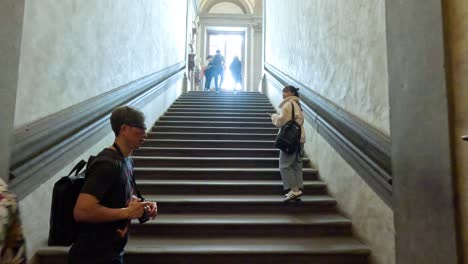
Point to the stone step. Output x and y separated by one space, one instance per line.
243 225
222 107
230 98
222 93
215 123
223 187
205 152
224 101
204 129
216 114
234 110
231 250
240 204
223 104
210 136
208 162
259 174
189 143
264 118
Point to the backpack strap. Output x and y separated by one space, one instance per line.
78 167
298 153
293 116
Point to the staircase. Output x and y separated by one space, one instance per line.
211 165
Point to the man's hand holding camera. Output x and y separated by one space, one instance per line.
137 208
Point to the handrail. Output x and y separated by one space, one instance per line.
43 147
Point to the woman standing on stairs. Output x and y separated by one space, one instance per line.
291 164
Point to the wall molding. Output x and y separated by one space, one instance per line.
364 148
42 148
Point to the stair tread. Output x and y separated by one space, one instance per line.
205 127
216 169
205 158
214 122
246 219
204 133
234 198
210 140
252 245
222 182
211 149
275 245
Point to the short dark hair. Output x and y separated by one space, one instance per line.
218 51
126 115
292 89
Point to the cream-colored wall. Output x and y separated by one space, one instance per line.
73 50
456 27
338 48
36 206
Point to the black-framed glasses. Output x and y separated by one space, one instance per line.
137 126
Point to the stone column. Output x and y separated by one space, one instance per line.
422 164
257 54
11 19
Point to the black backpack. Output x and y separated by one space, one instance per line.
289 136
217 60
63 228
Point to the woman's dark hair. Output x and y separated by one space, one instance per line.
291 89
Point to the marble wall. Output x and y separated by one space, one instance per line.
73 50
338 49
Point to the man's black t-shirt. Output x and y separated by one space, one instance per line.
111 184
109 179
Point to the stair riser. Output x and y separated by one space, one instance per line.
267 258
217 258
207 153
252 103
222 107
244 207
216 175
238 230
195 144
223 189
215 114
212 137
264 118
142 163
225 100
195 129
223 94
224 110
215 124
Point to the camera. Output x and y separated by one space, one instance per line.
145 217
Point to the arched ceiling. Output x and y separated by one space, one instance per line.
247 6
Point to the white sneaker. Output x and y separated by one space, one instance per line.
292 195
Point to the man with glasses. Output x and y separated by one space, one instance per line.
107 202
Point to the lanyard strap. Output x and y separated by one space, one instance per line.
118 149
132 177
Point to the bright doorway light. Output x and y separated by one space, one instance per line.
230 44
